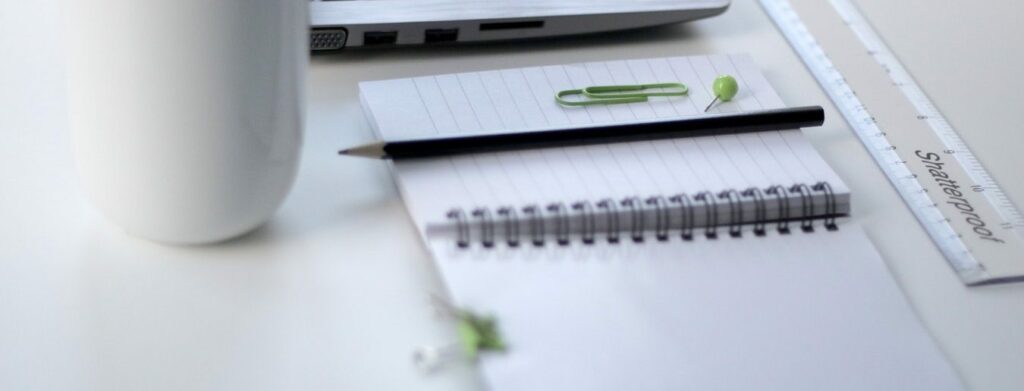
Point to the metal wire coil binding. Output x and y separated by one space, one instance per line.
662 217
831 209
760 209
806 206
609 218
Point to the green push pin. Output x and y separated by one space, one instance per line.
725 88
479 334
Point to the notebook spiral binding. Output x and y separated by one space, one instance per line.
532 219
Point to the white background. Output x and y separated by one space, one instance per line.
333 294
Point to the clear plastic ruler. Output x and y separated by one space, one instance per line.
964 210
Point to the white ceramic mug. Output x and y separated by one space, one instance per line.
187 115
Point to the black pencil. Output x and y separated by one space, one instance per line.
757 121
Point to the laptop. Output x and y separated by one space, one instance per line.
339 24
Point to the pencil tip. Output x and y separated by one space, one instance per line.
375 150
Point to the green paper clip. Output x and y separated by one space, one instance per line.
605 95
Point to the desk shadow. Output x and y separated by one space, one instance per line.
281 234
147 306
281 230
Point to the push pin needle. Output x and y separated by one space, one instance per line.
725 88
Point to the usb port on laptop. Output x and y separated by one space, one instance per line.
373 38
440 35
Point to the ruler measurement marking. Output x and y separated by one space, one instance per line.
925 107
929 212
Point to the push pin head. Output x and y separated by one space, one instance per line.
477 334
725 88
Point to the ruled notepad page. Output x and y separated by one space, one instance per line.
799 311
804 311
515 99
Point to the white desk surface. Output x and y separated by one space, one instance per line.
333 293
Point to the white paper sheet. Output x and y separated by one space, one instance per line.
784 312
804 311
514 99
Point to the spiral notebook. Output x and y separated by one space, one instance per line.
704 263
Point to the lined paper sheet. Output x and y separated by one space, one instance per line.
518 99
783 312
780 312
